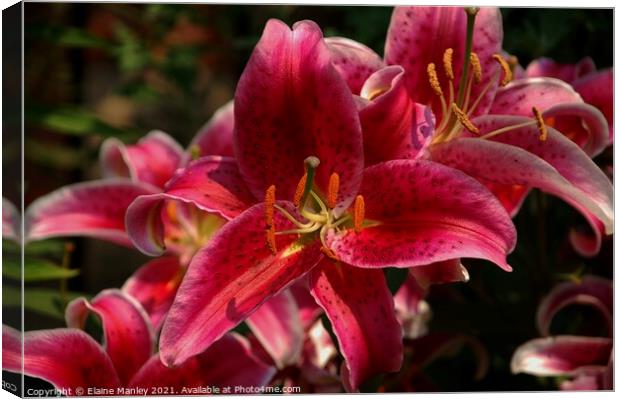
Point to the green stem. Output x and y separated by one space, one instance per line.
471 18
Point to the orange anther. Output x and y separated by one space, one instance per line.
505 67
462 117
271 239
433 79
299 191
270 201
476 67
447 63
358 213
540 123
332 190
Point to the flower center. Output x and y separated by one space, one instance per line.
457 108
316 211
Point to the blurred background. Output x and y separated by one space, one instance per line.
94 71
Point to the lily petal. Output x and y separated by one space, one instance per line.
11 221
354 61
448 271
277 325
127 331
361 310
418 36
591 290
213 184
152 160
394 126
230 278
228 362
280 120
581 383
216 136
546 67
597 89
422 212
412 310
67 358
560 355
309 310
92 209
587 242
154 285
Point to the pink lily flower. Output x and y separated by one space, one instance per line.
588 361
346 223
71 360
483 124
11 221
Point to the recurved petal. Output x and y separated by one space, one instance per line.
448 271
127 332
216 136
11 221
291 103
412 310
228 362
587 241
92 209
591 290
597 89
154 285
277 325
354 61
230 278
418 36
560 355
546 67
361 311
582 382
152 160
394 127
421 212
65 357
213 184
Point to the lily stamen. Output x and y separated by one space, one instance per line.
507 129
540 123
271 239
447 63
270 201
299 191
463 119
332 190
505 67
433 80
358 213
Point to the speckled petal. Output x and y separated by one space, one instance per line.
228 279
92 209
291 103
154 285
152 160
65 357
427 213
212 183
354 61
127 332
227 363
546 67
361 311
597 89
418 36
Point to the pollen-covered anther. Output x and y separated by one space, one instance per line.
271 239
447 63
540 123
433 79
476 67
463 119
358 213
505 68
299 191
270 201
332 190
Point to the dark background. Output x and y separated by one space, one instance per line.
100 70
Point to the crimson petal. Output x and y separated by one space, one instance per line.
353 60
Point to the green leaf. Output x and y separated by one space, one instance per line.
69 37
35 270
53 247
43 301
73 121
